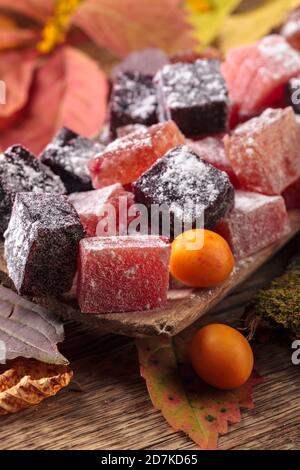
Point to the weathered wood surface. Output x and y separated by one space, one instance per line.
113 410
184 306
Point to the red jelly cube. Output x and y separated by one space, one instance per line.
292 195
122 274
255 222
125 159
256 74
92 208
212 150
264 152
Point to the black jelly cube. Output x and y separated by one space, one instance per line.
194 95
67 155
133 101
292 92
20 171
41 244
187 186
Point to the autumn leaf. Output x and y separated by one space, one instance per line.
16 70
127 25
12 38
29 331
68 89
187 403
207 22
26 382
239 29
37 9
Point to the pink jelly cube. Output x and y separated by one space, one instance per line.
96 206
264 152
122 274
256 74
255 222
212 150
125 159
292 195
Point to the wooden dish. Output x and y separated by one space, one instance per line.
184 306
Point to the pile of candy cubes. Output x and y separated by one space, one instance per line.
76 211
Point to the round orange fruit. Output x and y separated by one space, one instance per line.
201 258
221 356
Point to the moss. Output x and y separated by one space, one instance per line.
280 302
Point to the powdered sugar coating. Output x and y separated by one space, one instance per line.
67 155
264 151
133 101
125 159
186 184
121 274
256 74
41 244
211 149
194 95
255 222
21 171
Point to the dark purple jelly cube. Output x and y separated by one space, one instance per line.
133 101
67 155
146 61
292 91
186 186
20 171
41 244
194 95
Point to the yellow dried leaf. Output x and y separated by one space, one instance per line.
250 26
207 23
26 382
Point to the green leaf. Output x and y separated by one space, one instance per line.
207 24
239 29
187 403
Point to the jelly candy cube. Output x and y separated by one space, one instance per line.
264 151
122 274
194 95
20 171
255 222
256 74
125 159
41 244
188 186
133 101
67 156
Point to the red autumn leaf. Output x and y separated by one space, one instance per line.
37 9
126 25
187 403
10 38
68 89
16 71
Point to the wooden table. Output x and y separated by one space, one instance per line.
108 407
